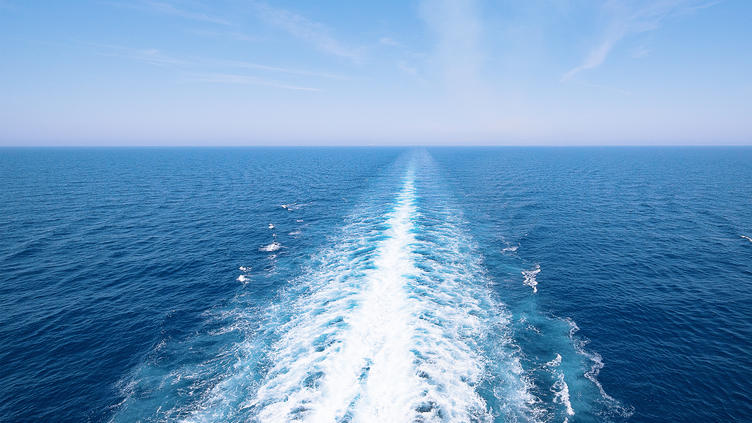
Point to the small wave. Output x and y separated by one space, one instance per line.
510 249
242 278
746 237
294 233
293 206
271 226
529 326
555 362
274 246
530 277
244 268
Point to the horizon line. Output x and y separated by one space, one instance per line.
375 145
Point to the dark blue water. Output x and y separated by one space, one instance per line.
536 284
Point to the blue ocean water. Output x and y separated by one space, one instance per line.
376 284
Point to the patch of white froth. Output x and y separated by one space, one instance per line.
746 237
293 206
530 276
510 249
383 344
612 403
561 393
274 246
555 362
560 388
381 334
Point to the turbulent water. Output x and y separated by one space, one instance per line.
376 285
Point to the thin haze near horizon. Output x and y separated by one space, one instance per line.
246 72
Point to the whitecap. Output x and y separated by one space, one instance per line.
510 249
530 277
244 268
293 206
271 226
274 246
746 237
242 278
555 362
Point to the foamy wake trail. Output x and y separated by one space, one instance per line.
389 331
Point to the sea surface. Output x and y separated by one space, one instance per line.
376 284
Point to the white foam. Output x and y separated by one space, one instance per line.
746 237
295 233
529 276
274 246
244 268
242 278
376 343
592 374
271 226
388 342
388 327
510 249
555 362
560 387
293 206
561 393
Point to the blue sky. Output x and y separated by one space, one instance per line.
237 72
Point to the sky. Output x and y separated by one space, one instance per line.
435 72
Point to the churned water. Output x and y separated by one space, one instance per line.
376 284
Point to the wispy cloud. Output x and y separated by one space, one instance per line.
457 26
388 41
312 32
150 56
166 8
604 87
640 52
224 78
230 35
407 61
407 68
155 56
276 69
627 17
202 69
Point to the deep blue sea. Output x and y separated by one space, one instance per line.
376 284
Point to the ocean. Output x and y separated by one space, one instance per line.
376 284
